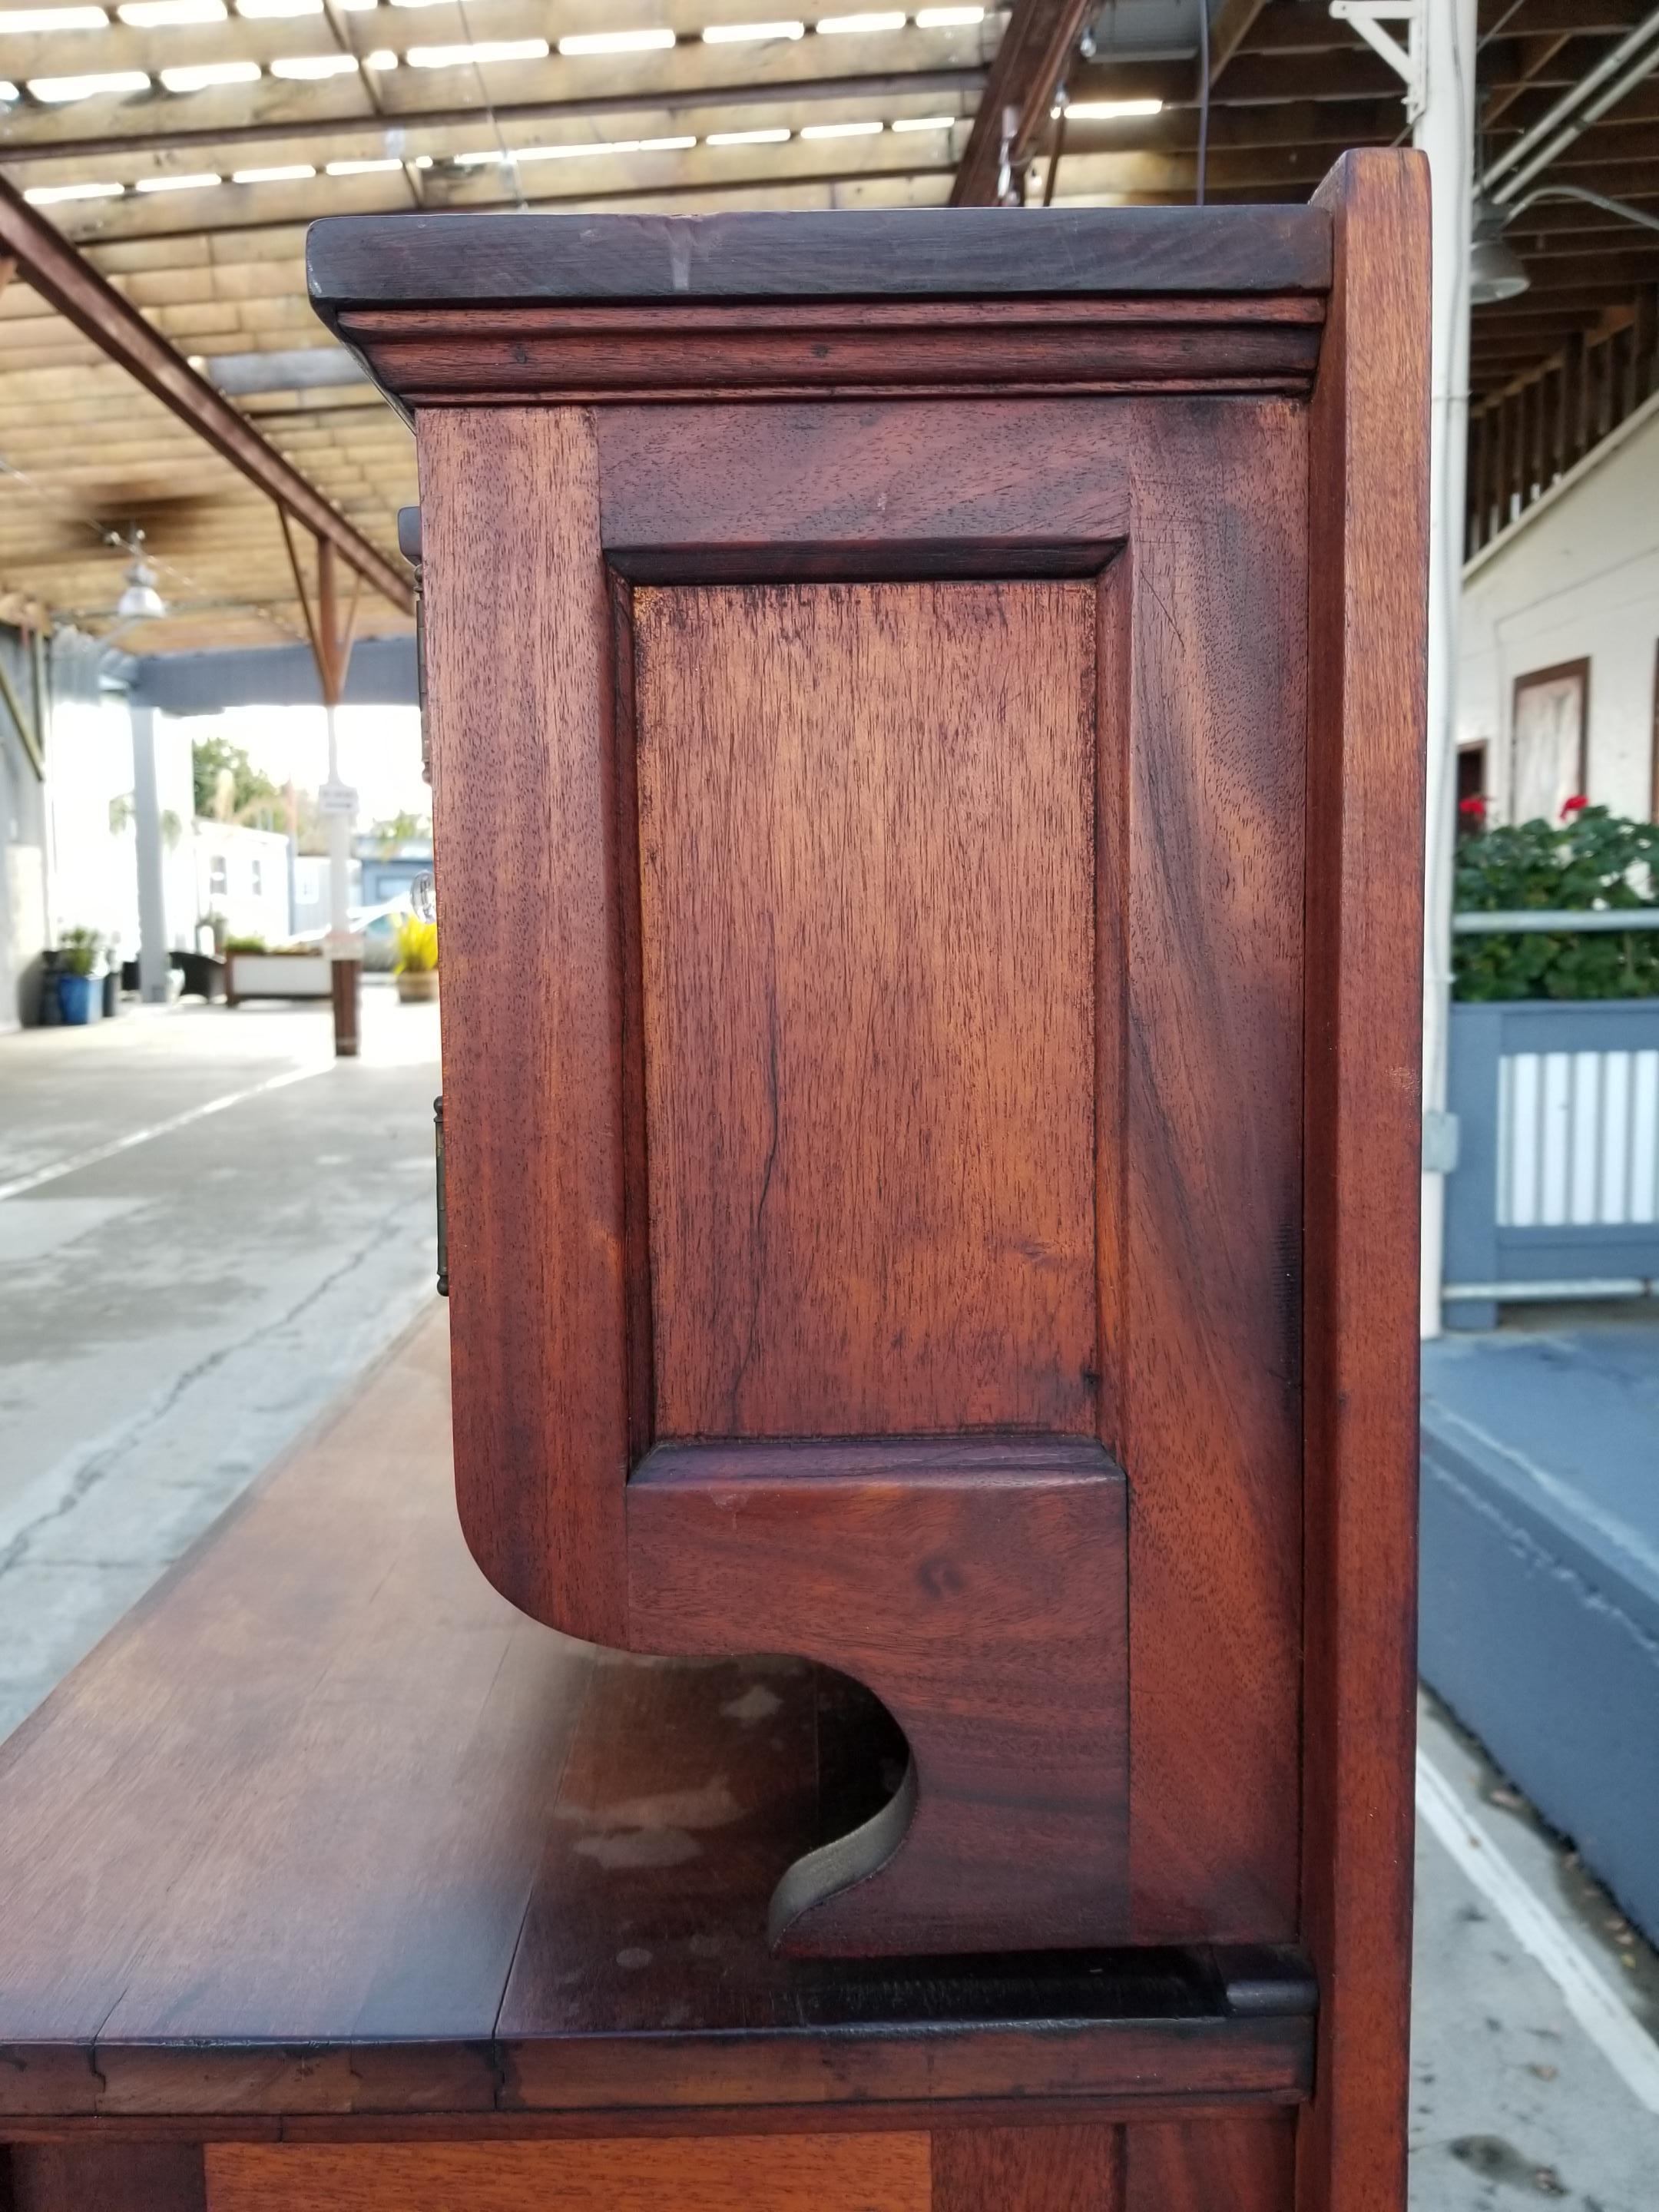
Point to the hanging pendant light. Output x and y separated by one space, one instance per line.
140 601
1496 269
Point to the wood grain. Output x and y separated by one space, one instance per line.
1244 2165
366 1852
1209 1411
764 495
670 355
1050 2169
759 2174
1369 429
519 692
979 1590
357 261
866 843
106 2178
322 1731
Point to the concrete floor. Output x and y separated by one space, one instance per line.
172 1312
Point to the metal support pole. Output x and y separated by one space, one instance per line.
333 649
147 827
1444 130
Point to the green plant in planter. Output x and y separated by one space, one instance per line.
78 951
243 944
1590 860
417 943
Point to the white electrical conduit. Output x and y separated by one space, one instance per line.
1545 193
1634 57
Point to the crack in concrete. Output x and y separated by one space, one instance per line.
106 1458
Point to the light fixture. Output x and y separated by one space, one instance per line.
775 137
481 50
158 15
140 601
1496 269
616 42
314 65
734 34
196 181
1108 111
56 90
33 21
49 195
197 76
881 19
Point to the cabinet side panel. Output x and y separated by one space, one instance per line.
867 847
524 806
1210 1424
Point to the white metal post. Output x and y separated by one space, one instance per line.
1445 128
153 961
339 859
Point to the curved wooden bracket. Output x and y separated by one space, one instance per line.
978 1587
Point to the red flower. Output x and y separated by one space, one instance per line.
1474 808
1575 805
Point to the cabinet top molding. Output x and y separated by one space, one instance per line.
387 261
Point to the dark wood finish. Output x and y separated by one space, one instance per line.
799 491
1168 760
345 996
427 260
1055 2169
1212 903
979 1590
432 1863
853 801
1221 2166
1365 752
473 356
518 710
108 2177
767 2173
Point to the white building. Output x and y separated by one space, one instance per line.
1560 644
241 876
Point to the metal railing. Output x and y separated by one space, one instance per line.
1556 1190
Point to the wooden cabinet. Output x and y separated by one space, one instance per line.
926 721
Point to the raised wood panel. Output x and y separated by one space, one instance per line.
758 2173
1208 1356
765 494
865 835
1211 2165
524 806
1031 2169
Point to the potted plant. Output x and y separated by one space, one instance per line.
416 964
78 1002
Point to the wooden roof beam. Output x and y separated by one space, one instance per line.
52 266
1014 109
